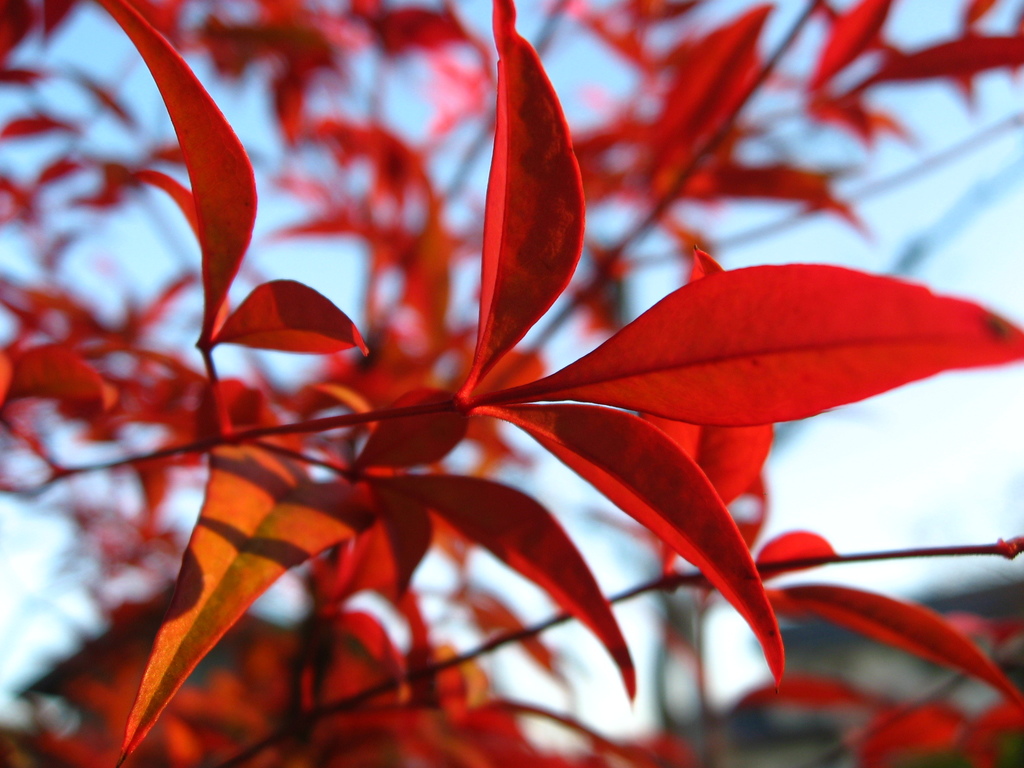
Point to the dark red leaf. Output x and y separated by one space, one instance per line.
291 317
650 478
58 372
913 628
417 439
956 59
773 343
533 228
526 537
33 126
260 517
220 172
901 737
808 691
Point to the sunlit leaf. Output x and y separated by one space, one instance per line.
526 537
773 343
913 628
650 478
289 316
220 172
533 229
260 517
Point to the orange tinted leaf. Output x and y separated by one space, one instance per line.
260 517
526 537
289 316
913 628
58 372
976 10
415 440
533 228
650 478
220 172
794 545
178 192
773 343
851 35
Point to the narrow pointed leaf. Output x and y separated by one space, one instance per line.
851 35
178 192
913 628
533 227
291 317
218 168
956 59
774 343
417 439
260 517
526 537
650 478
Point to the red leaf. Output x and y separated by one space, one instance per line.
58 372
260 517
955 59
650 478
181 195
291 317
794 545
807 691
731 457
913 628
526 537
851 35
700 99
773 343
33 126
898 737
533 228
703 265
6 372
417 439
220 172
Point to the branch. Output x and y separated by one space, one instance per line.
248 435
1008 549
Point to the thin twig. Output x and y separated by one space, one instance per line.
1008 549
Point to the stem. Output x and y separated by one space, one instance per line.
882 185
606 264
1008 549
247 435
